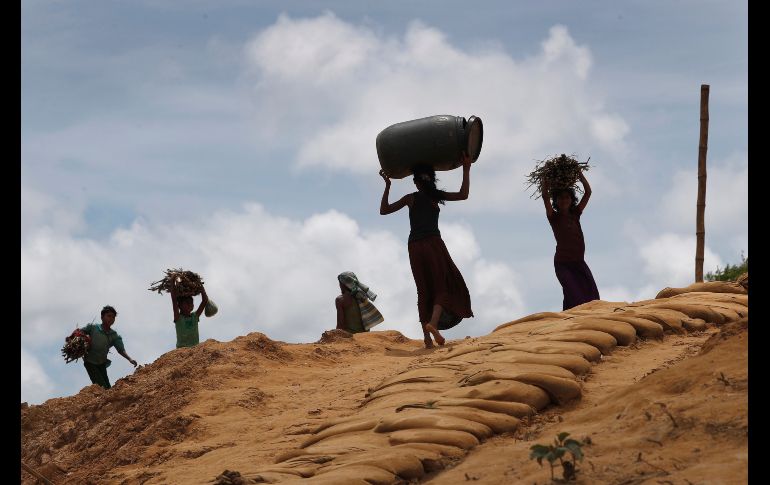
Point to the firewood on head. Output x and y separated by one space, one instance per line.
184 283
559 172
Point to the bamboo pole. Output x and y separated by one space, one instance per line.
700 230
35 474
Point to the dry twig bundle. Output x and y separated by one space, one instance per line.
184 283
560 172
76 346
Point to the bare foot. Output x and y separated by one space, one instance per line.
428 343
439 339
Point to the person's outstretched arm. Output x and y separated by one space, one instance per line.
387 208
124 354
462 194
204 301
546 194
586 193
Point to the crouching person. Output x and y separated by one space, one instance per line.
355 311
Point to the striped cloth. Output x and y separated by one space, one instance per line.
370 316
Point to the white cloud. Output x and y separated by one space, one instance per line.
329 87
36 386
266 273
560 48
727 197
669 260
319 51
41 210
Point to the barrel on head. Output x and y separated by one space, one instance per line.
436 140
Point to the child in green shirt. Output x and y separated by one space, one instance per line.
102 338
185 321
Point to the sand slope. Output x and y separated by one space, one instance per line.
378 408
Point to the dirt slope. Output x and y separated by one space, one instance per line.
621 374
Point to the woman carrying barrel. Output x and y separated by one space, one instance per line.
442 296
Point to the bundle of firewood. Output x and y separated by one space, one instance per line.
561 172
76 346
180 282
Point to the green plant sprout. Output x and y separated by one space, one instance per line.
560 447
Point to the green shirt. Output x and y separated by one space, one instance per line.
187 330
101 342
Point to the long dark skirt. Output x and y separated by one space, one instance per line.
577 283
438 282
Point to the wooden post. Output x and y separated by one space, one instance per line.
35 474
700 230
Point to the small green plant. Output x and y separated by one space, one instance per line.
560 447
731 272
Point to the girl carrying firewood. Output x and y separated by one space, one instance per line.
563 211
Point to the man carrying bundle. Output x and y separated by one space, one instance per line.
102 338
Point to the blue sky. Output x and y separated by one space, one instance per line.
236 139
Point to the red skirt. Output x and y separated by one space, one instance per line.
438 282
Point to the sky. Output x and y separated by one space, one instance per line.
237 139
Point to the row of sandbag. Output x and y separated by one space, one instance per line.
416 422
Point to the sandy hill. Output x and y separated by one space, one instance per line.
657 389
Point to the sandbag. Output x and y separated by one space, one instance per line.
576 364
720 297
348 427
589 352
734 307
353 442
643 327
559 389
486 376
694 311
605 342
624 333
407 388
515 409
459 439
511 391
401 462
467 349
515 368
431 451
709 286
433 421
497 422
418 375
666 318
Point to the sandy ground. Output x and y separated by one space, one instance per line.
659 414
654 412
254 399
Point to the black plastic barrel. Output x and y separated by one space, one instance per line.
436 140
